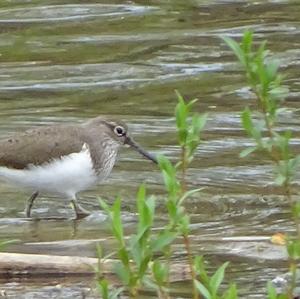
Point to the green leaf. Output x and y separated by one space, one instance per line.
184 224
143 267
296 209
146 209
200 269
169 175
191 103
160 272
293 249
198 122
247 41
231 292
247 151
272 69
103 287
5 243
235 47
188 194
271 291
162 240
123 273
253 130
202 290
181 114
106 293
135 248
115 293
116 221
217 279
280 179
172 209
104 206
247 121
123 256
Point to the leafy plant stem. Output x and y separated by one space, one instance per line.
183 169
184 165
287 187
292 285
292 261
276 159
191 265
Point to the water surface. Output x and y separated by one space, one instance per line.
67 61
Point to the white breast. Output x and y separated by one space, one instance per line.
66 176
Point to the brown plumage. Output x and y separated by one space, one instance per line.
40 145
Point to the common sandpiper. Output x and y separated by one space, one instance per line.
64 159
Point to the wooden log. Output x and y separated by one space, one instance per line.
20 265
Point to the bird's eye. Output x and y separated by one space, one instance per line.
120 131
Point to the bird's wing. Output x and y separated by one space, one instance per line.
40 146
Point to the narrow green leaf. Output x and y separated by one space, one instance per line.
184 224
296 209
5 243
199 121
247 41
271 291
145 209
115 293
272 69
247 121
202 290
123 256
116 220
169 175
231 292
217 278
144 265
191 103
235 47
160 272
162 240
103 288
200 269
136 252
122 273
247 151
188 194
104 205
280 179
181 113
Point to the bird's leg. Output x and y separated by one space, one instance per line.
30 203
79 210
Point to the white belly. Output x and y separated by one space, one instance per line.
65 176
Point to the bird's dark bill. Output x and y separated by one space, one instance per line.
135 146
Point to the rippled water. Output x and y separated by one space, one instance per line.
66 61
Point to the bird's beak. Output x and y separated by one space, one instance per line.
129 141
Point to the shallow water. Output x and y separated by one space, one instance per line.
67 61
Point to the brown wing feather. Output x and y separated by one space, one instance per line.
40 145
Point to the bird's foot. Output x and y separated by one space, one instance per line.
27 212
29 204
79 210
81 214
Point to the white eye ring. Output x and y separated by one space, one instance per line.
119 131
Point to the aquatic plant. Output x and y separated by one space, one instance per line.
137 265
261 125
